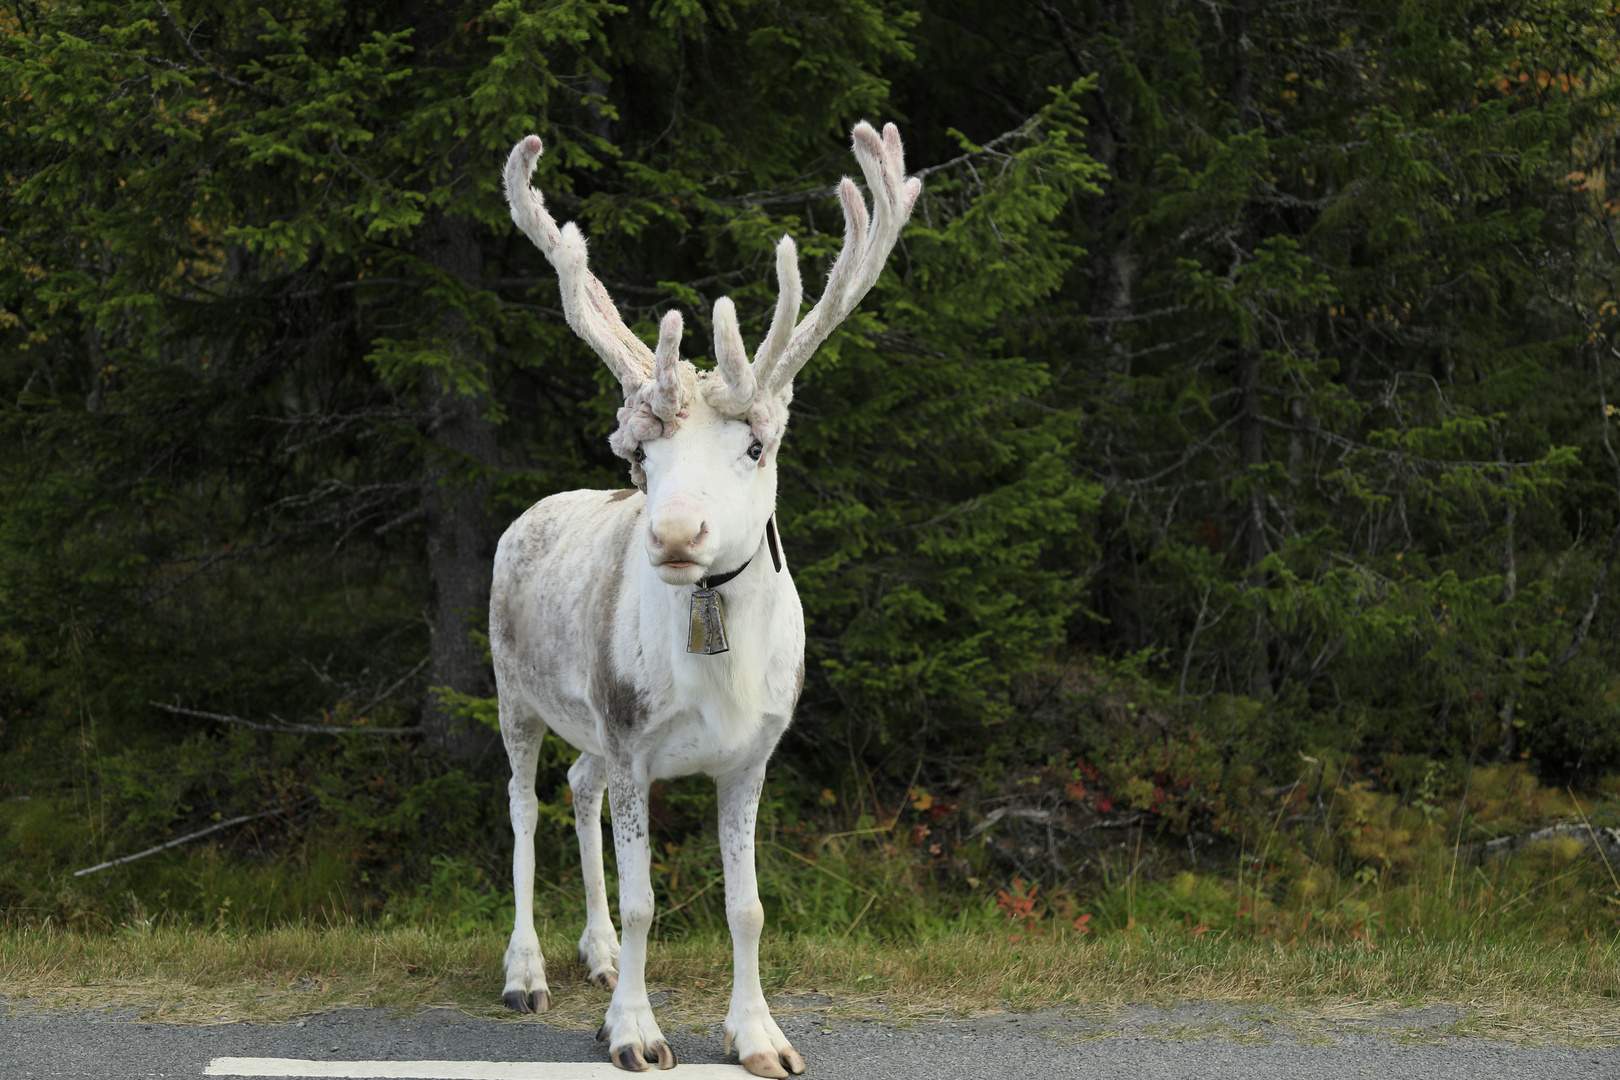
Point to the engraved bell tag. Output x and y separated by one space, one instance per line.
708 633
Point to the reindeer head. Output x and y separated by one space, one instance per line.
702 444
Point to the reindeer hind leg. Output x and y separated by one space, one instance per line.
598 945
526 990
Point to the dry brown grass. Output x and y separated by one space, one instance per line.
1513 990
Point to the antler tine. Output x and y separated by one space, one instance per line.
789 294
666 398
883 161
586 303
831 308
732 359
856 270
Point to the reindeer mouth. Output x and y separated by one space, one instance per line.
680 571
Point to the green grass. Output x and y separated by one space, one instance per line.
1525 989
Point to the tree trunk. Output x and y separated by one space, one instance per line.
1251 446
1113 275
1251 442
1509 744
461 534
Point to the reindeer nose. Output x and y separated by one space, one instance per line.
677 534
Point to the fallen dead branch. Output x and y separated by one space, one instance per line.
1600 841
186 839
284 728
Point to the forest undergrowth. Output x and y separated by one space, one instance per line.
1355 887
1102 812
1060 884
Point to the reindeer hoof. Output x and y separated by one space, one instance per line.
535 1001
766 1065
607 980
761 1047
629 1058
634 1041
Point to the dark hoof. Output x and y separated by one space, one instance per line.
630 1059
535 1001
666 1055
765 1065
602 1033
607 980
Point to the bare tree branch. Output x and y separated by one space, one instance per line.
294 729
231 79
186 839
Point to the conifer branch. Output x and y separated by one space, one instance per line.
1607 565
230 79
777 197
1579 310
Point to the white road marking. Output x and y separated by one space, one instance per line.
447 1070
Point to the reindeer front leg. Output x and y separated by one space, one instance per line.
761 1046
631 1032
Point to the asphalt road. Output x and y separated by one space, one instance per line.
1195 1041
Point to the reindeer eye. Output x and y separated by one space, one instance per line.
640 455
757 449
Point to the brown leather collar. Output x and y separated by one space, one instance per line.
776 557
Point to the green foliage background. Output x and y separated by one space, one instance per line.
1237 396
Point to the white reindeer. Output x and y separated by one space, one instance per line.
606 617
